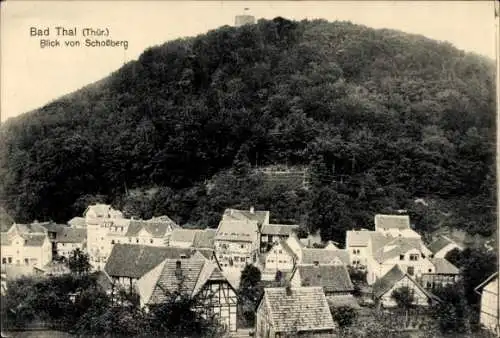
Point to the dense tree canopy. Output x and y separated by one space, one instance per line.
379 117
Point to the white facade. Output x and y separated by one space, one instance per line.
411 262
19 250
65 249
420 298
279 259
489 305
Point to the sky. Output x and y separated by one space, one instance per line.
32 76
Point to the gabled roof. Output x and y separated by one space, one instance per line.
439 244
51 226
205 239
333 278
358 237
243 215
71 235
396 247
34 239
486 282
245 231
387 282
77 222
443 266
190 278
184 235
156 229
278 229
28 228
303 309
322 256
392 222
283 244
378 241
132 260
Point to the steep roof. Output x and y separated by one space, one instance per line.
396 247
71 235
343 300
190 278
245 231
304 309
322 256
51 226
387 282
157 229
34 239
358 237
443 266
439 244
205 239
392 222
77 222
184 235
243 215
278 229
131 260
333 278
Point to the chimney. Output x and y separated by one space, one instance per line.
288 289
252 210
178 270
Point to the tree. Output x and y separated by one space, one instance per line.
451 312
345 316
404 298
250 292
78 262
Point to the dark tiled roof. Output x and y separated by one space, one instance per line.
303 309
184 235
358 237
439 244
206 253
392 222
205 239
343 300
333 278
278 229
34 239
131 260
444 267
52 227
384 284
71 235
322 256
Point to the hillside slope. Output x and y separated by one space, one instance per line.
379 116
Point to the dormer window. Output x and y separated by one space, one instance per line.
316 263
413 257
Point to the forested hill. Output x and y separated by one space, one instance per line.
380 117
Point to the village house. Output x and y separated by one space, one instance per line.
237 238
333 278
323 256
442 245
395 226
357 242
409 253
107 227
204 243
444 273
273 233
196 277
394 279
287 310
488 290
129 262
69 239
280 258
183 238
312 240
27 245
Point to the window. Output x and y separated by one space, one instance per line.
26 261
411 270
4 260
151 241
413 257
401 257
10 260
242 246
137 240
280 251
430 270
